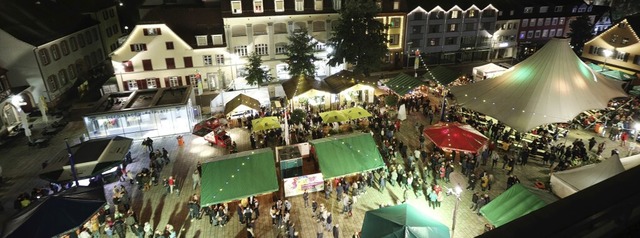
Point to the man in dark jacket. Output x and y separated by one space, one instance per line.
336 231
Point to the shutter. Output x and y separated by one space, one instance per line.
144 47
626 57
167 82
125 86
158 83
188 62
186 79
159 31
133 49
142 83
179 80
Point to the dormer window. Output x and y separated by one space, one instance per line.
528 10
317 5
279 5
257 6
201 40
337 4
544 9
299 5
236 7
557 9
217 40
151 31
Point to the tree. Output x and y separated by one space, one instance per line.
300 53
359 38
298 116
580 32
391 100
256 75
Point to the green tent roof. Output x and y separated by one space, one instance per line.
402 221
517 201
239 175
347 154
618 75
239 100
403 84
441 74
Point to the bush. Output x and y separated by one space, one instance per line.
391 100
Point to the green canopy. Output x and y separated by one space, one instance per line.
402 221
517 201
236 176
618 75
403 84
595 67
347 154
442 75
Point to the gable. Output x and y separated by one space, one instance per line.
154 37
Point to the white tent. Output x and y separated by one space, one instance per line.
568 182
553 85
487 71
630 162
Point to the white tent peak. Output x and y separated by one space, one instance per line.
565 183
553 85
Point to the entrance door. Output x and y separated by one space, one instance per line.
213 81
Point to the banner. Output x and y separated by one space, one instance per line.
296 185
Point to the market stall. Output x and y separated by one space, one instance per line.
402 220
517 201
347 154
213 131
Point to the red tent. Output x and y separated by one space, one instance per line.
456 136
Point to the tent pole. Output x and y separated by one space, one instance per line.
72 163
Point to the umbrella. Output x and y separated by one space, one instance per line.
208 125
265 123
355 113
333 116
456 136
402 221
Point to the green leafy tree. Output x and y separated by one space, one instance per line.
359 38
300 53
580 32
391 100
298 116
256 75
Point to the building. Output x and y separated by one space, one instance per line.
106 14
449 31
53 57
539 21
9 113
618 46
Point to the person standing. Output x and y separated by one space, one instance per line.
319 229
172 183
196 179
305 196
336 231
150 144
592 143
165 156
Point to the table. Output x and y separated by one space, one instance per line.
50 131
41 142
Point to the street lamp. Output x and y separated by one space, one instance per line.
606 53
457 191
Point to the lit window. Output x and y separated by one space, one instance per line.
337 4
240 50
138 47
281 49
173 81
55 52
151 83
299 5
452 27
62 75
207 60
64 47
454 14
201 40
317 5
545 33
471 13
528 9
394 39
217 40
44 56
396 5
262 49
395 22
220 59
257 6
559 33
561 21
532 22
279 5
236 7
53 83
132 85
151 31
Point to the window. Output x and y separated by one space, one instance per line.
94 34
280 28
486 26
127 66
379 3
259 29
544 9
537 34
582 9
62 75
515 25
522 34
299 25
434 28
532 22
279 5
554 21
188 62
417 16
337 4
65 47
146 65
545 33
525 22
433 41
281 49
318 26
416 29
238 30
394 39
511 12
451 40
509 26
81 42
111 13
151 83
240 50
236 7
55 52
396 5
636 60
257 6
169 45
220 59
436 15
171 63
559 33
115 28
528 10
105 15
138 47
202 40
622 56
109 32
470 26
471 13
317 5
557 9
88 38
561 21
455 14
395 22
299 5
151 31
44 56
452 27
540 21
193 80
547 21
552 33
132 85
625 40
207 60
71 69
173 82
53 83
261 49
217 40
529 34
